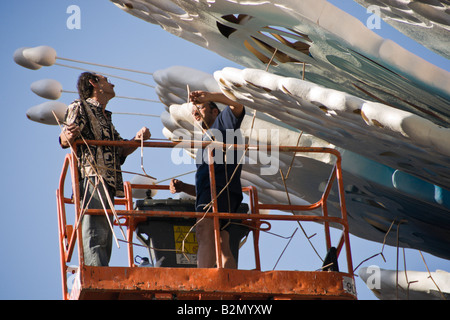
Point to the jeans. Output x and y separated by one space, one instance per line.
95 229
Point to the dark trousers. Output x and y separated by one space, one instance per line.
223 204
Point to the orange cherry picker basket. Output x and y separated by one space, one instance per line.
133 282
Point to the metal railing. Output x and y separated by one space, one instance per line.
69 235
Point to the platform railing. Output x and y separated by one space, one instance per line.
69 235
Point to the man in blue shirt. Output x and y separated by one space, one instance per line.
215 125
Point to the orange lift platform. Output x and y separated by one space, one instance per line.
133 282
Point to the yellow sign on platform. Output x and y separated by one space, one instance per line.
185 244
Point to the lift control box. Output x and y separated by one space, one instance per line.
172 241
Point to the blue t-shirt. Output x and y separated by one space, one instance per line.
225 163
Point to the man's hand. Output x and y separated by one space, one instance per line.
199 97
72 131
179 186
69 135
176 186
143 134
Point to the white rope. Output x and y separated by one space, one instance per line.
137 114
106 74
121 97
105 66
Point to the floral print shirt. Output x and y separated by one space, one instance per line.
97 125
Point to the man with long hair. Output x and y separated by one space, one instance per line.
99 166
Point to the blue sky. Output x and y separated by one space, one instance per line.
32 159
